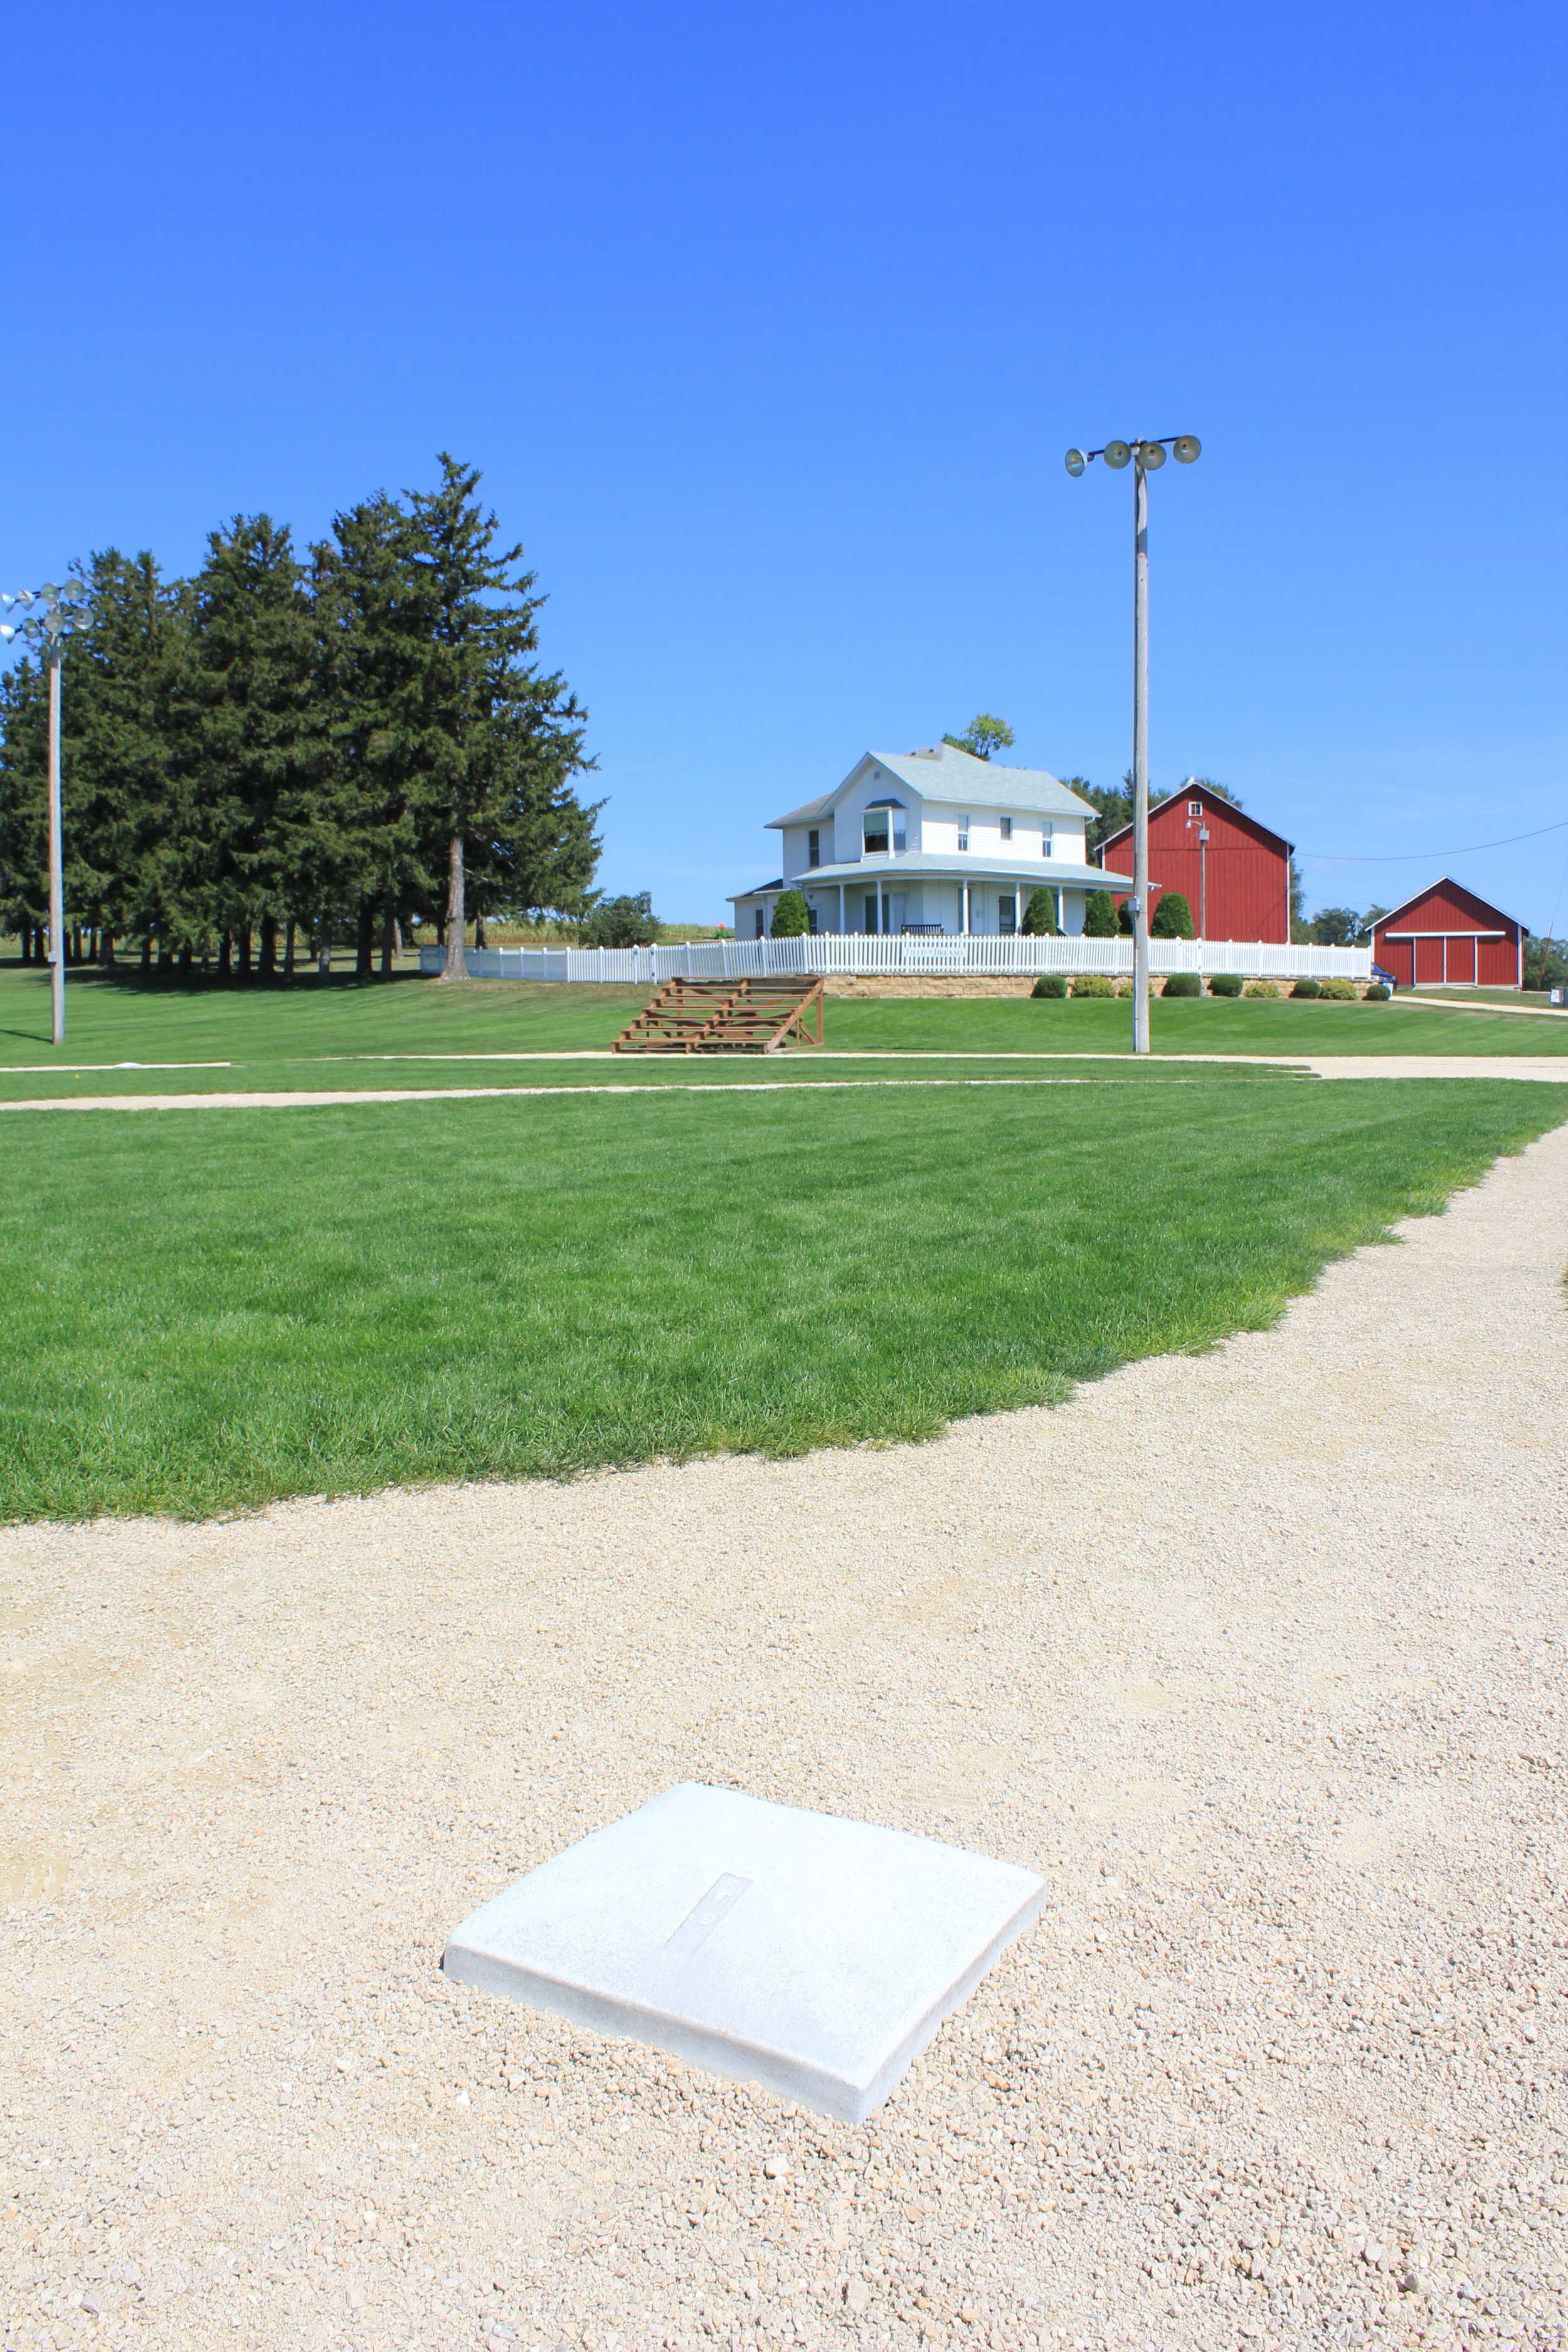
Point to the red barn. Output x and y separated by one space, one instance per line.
1447 933
1233 871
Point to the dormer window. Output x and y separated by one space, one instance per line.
884 829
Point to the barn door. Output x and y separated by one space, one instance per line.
1462 958
1428 963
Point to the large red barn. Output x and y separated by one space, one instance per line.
1446 934
1233 871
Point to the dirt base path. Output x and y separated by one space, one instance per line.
1259 1657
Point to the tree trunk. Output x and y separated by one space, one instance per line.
267 962
388 938
289 951
324 950
481 932
245 952
164 954
147 952
226 956
365 940
105 951
185 961
455 968
27 943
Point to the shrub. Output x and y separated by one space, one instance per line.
791 915
1341 991
1260 988
1099 916
1307 988
1184 983
1050 983
1171 918
1124 988
1040 915
1093 983
1226 983
625 922
1376 994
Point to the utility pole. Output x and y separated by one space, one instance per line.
1146 456
64 614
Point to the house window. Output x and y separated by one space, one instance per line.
814 847
761 932
1194 808
1007 828
1048 846
871 917
811 920
1006 916
875 832
963 833
901 839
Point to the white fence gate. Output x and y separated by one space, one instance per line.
954 955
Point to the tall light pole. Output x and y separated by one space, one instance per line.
61 615
1145 458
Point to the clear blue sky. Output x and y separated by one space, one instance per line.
769 327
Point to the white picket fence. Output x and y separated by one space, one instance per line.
954 955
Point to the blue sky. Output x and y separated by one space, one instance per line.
769 327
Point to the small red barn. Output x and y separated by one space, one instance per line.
1446 934
1233 871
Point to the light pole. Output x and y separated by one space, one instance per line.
1145 457
62 615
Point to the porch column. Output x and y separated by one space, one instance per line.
964 889
881 912
841 911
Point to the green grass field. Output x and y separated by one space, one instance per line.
206 1312
311 1036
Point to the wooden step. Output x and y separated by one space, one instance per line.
726 1016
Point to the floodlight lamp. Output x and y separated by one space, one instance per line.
1074 463
52 590
1186 447
1117 454
1151 454
7 630
23 596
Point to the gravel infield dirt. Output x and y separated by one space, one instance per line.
1259 1657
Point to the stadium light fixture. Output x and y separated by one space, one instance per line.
1146 456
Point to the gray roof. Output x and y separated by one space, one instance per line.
929 866
945 773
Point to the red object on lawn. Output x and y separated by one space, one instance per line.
1445 936
1237 882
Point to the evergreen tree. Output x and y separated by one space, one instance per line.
1040 915
24 799
1098 915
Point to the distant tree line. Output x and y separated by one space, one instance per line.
351 743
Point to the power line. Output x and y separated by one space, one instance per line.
1426 856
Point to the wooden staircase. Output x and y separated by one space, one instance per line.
726 1016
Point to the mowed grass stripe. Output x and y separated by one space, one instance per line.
199 1317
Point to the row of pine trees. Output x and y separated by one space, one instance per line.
346 744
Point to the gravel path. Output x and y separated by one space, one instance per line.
1550 1067
1259 1657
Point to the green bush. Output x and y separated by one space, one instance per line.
1341 991
1171 918
791 915
624 922
1226 983
1099 916
1040 915
1093 983
1184 983
1050 983
1307 988
1260 988
1376 994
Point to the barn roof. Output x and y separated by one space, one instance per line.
1445 882
1218 802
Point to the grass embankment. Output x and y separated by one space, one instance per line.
207 1312
335 1035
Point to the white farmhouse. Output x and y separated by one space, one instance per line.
926 842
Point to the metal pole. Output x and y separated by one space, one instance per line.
1141 757
57 874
